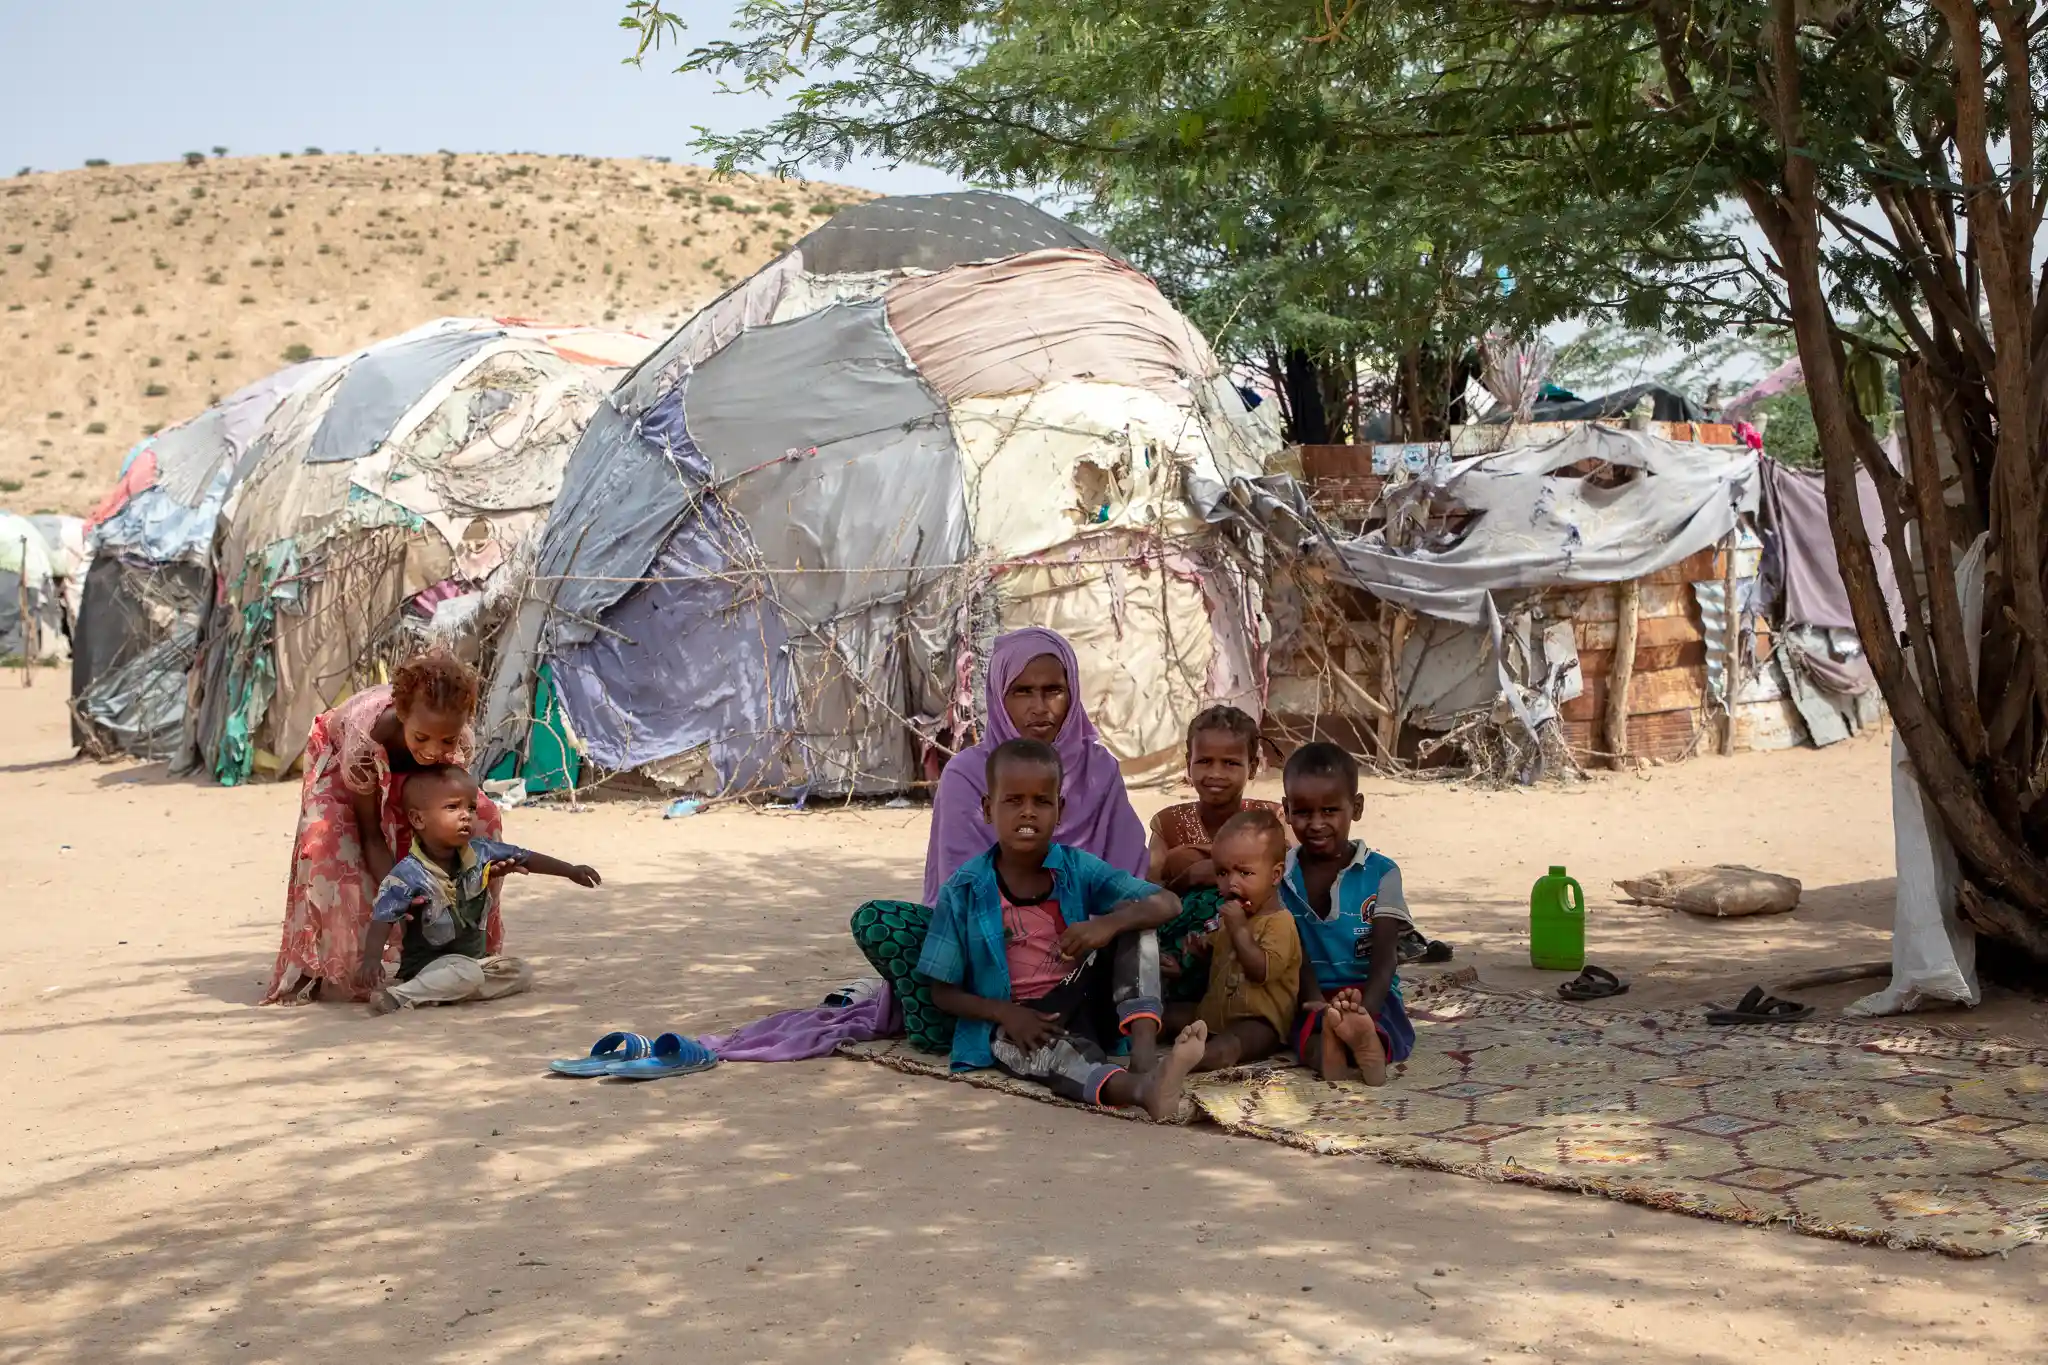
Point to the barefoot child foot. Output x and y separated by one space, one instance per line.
1357 1036
1160 1092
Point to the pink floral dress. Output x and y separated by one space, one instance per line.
328 902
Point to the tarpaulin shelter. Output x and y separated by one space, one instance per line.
784 544
31 622
149 572
391 494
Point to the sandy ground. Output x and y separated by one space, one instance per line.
134 296
184 1176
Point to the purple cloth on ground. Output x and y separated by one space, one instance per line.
1097 817
796 1034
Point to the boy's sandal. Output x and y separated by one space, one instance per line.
613 1047
1759 1008
1594 983
673 1055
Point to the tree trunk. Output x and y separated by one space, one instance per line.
1308 421
1995 854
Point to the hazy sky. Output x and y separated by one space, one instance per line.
133 81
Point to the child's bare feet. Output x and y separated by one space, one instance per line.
1162 1089
1357 1037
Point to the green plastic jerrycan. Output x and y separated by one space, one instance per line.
1557 923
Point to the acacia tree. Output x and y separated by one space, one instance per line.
1298 195
1887 152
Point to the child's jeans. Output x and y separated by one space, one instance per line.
452 978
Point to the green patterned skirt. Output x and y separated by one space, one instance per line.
891 935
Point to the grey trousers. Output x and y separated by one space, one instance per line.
1106 993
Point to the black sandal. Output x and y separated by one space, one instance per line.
1758 1008
1594 983
1416 948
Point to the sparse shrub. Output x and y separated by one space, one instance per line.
93 163
220 151
63 348
156 362
76 474
199 191
720 201
12 485
95 428
224 354
783 207
139 310
324 249
246 299
153 428
824 208
276 211
297 353
53 416
214 277
195 158
155 391
362 305
314 151
191 356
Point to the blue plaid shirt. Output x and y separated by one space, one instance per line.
965 945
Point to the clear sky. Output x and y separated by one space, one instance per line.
136 80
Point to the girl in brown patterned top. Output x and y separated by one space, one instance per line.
1223 755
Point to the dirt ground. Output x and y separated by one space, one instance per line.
136 295
184 1176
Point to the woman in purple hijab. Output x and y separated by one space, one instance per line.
1034 693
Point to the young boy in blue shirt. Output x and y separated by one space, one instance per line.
1045 953
1348 905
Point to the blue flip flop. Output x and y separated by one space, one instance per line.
674 1055
613 1047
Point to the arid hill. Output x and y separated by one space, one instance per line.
133 296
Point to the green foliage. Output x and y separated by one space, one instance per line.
1345 199
1790 436
297 353
95 162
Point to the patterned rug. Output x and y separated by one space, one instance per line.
1868 1132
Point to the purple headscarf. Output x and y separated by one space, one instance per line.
1095 816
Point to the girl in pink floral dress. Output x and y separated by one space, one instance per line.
352 825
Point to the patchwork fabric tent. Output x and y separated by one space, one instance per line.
390 494
786 541
31 622
149 572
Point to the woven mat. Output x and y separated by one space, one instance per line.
1868 1132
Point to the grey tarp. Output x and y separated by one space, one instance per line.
688 660
935 232
128 610
628 483
139 707
1534 528
382 385
625 488
190 455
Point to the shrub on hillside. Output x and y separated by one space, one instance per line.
297 353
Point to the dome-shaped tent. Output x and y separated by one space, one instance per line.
392 493
784 544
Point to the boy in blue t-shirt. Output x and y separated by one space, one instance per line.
1347 905
1046 954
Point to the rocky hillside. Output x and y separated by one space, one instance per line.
132 296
